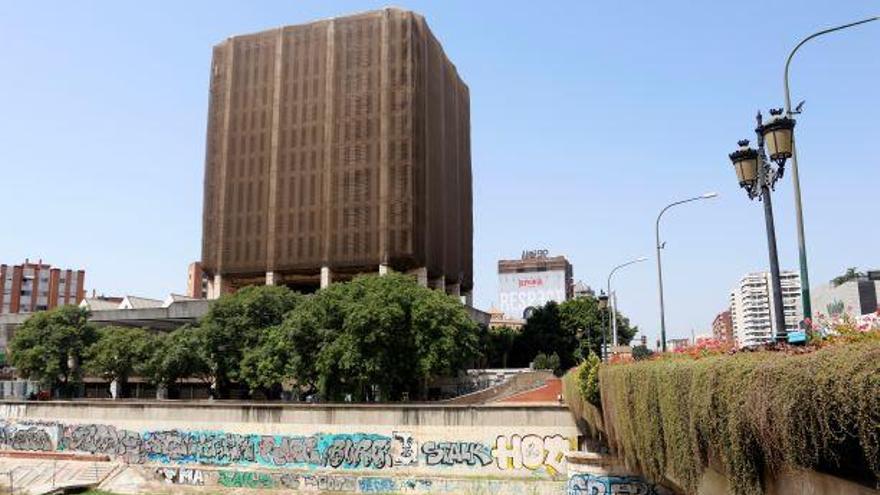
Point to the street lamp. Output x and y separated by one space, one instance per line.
758 177
659 267
795 178
603 305
614 303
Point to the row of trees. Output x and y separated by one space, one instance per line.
373 337
560 335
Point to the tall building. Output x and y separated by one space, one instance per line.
855 297
196 281
722 327
336 148
32 287
752 310
532 281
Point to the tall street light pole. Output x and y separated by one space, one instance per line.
614 303
795 178
758 177
659 266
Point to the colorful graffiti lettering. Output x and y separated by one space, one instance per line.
181 476
588 484
32 438
531 452
453 453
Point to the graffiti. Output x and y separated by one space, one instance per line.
244 479
407 453
353 452
531 452
290 450
377 485
588 484
102 439
181 476
329 483
26 438
453 453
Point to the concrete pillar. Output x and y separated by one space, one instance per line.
453 289
421 275
215 287
384 269
468 298
438 283
270 278
326 276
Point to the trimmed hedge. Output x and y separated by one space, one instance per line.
746 414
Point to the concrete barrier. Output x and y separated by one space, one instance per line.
428 448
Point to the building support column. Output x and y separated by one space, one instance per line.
215 287
468 298
326 277
384 269
270 278
421 275
438 283
453 289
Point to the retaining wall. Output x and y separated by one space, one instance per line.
361 448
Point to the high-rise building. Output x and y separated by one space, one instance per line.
32 287
336 148
752 310
722 327
196 281
855 297
532 281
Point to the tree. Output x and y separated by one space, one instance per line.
852 273
175 356
588 380
118 353
374 337
238 322
545 362
572 330
544 333
499 345
49 346
641 352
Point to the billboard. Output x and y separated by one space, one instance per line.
519 291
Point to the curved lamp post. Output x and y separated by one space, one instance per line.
614 304
659 266
758 177
795 179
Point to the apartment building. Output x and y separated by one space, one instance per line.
31 287
752 308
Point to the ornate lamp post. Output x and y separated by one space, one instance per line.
758 176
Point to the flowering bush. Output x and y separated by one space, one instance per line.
847 328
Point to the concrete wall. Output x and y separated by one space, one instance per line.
349 442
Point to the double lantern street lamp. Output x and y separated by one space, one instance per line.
758 176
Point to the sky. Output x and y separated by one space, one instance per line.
587 117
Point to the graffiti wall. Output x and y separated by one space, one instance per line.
531 454
593 484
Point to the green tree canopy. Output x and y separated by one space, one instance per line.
237 322
49 347
119 353
373 334
177 355
572 330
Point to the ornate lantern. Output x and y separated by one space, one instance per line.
745 162
778 136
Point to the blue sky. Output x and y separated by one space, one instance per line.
587 118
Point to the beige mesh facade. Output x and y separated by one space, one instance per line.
341 145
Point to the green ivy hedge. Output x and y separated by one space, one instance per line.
747 414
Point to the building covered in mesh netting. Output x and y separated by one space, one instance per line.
336 148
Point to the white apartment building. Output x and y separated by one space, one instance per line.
751 307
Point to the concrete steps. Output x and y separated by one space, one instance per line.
36 476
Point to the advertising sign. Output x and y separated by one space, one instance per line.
520 291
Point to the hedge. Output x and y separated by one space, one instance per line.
747 414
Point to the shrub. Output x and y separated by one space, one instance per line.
747 412
588 380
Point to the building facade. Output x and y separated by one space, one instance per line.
337 148
196 281
722 327
752 310
853 298
532 281
31 287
